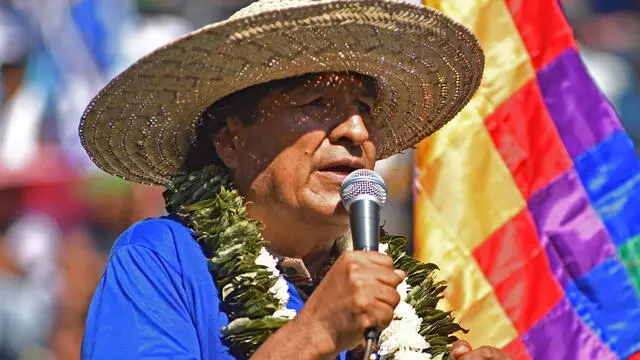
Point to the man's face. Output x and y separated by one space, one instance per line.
291 162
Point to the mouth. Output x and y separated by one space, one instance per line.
338 171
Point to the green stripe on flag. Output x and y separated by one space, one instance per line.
630 255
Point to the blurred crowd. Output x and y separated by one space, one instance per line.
59 215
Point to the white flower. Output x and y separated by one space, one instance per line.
411 355
265 259
383 248
280 289
402 335
285 313
403 289
406 317
403 339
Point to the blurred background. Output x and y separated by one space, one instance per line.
59 216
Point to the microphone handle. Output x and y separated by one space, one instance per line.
364 216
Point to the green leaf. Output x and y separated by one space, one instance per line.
437 326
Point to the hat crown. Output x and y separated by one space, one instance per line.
262 6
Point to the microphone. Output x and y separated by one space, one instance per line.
363 193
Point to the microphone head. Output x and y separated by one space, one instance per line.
363 183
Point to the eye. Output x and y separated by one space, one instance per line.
363 107
318 102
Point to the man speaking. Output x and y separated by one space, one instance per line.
253 124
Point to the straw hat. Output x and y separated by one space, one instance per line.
142 124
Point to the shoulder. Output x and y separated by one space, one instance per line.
165 236
156 298
154 233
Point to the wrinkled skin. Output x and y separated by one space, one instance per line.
283 163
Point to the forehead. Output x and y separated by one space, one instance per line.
345 81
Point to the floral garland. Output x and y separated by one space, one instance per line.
254 294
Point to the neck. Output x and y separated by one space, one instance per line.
312 244
315 260
307 242
294 234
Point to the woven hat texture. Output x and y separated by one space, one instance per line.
427 67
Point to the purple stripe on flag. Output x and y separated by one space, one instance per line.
555 262
571 232
582 115
562 335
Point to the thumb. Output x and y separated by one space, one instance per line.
459 349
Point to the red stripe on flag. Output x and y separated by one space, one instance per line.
517 350
543 28
635 356
527 140
516 265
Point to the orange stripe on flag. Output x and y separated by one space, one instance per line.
516 266
469 185
465 191
517 350
459 204
507 62
468 292
543 28
528 141
635 356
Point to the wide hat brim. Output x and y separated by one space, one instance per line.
427 67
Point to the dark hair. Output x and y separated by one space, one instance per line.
243 104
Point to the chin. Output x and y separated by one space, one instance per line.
337 214
329 211
321 203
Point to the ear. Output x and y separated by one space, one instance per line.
226 142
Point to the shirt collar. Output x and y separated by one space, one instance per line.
297 273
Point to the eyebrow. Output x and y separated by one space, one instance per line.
300 94
368 89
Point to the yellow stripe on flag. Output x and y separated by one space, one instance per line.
459 204
465 192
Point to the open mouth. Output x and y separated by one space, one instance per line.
340 169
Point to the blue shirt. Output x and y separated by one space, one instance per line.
157 300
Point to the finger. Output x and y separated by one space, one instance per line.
366 259
381 314
386 276
379 258
388 295
377 314
459 349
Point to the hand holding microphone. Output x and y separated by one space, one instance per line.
363 193
358 295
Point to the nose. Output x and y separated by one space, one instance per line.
352 131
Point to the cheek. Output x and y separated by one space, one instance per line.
284 176
294 164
